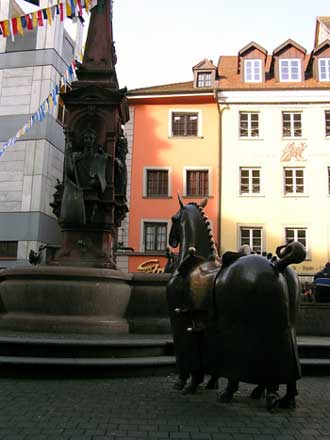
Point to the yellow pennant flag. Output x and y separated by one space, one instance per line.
68 9
49 15
6 30
19 26
50 102
34 19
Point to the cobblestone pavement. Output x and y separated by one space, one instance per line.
148 408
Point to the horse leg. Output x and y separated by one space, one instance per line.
289 400
231 388
197 378
212 383
272 397
258 392
181 381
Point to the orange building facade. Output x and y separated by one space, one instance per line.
173 136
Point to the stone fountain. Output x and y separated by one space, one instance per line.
81 290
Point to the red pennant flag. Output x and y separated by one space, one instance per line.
29 24
61 12
80 7
14 25
40 19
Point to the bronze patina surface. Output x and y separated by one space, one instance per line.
235 319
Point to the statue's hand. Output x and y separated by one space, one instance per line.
94 182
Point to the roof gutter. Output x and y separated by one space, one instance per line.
215 92
168 95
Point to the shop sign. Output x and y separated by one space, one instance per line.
150 266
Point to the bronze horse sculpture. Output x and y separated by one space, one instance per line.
234 318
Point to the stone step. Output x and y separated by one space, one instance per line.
85 347
312 347
121 354
314 362
147 361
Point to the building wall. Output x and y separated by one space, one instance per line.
154 147
272 209
30 67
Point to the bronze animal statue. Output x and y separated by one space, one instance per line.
188 346
240 315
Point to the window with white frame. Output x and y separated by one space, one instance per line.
252 70
296 234
249 180
197 182
291 124
248 124
184 124
204 79
327 123
154 236
251 236
290 69
293 180
156 182
324 69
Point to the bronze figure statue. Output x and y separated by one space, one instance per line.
245 310
84 170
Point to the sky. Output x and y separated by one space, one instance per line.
159 41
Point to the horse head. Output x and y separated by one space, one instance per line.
192 228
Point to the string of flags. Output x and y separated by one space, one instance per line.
46 107
63 8
13 26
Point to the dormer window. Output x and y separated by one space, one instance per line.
324 69
204 79
204 74
290 69
252 70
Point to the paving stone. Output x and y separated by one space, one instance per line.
148 408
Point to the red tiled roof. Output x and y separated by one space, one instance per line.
229 78
183 87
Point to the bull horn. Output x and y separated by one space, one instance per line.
180 201
203 203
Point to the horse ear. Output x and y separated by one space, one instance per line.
203 203
180 201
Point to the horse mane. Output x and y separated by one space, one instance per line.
213 249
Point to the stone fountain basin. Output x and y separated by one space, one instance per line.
64 299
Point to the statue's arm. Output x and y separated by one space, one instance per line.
69 162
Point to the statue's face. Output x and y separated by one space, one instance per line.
89 139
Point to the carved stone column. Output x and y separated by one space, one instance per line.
90 203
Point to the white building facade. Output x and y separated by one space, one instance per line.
275 144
